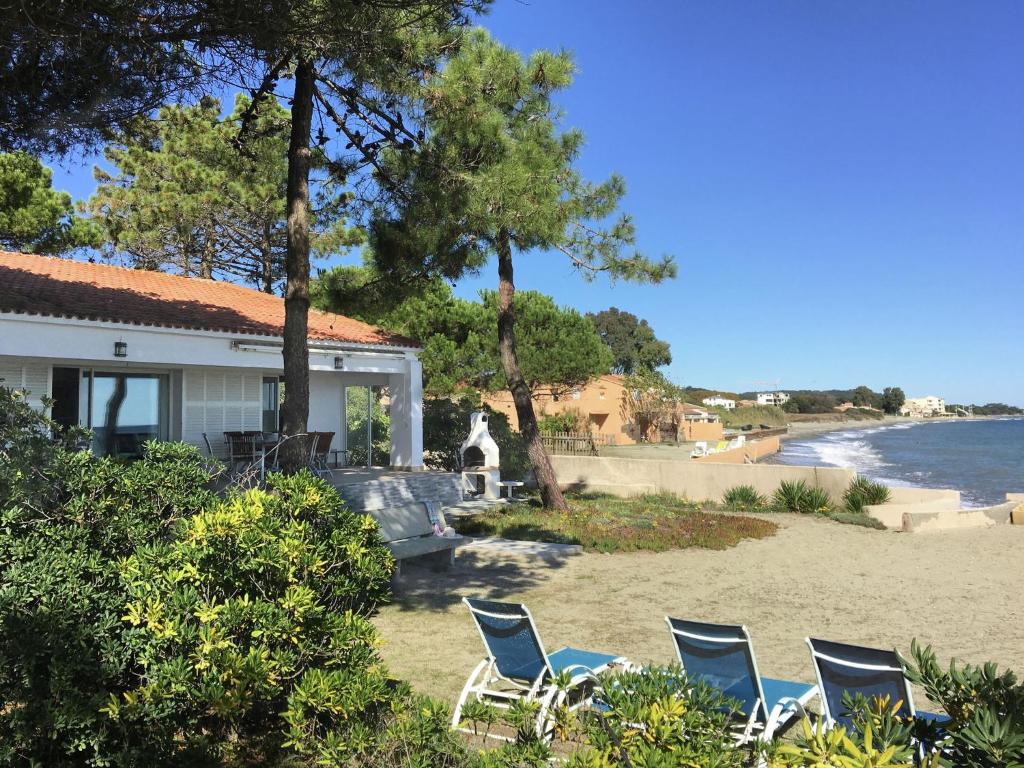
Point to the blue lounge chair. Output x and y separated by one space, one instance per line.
722 657
853 669
516 666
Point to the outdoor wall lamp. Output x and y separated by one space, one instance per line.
120 349
339 363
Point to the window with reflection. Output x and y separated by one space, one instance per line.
124 410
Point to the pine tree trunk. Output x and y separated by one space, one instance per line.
295 409
267 259
550 493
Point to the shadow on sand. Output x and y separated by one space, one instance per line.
420 588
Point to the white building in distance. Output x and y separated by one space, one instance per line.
924 406
719 402
772 398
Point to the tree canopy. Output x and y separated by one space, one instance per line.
185 199
631 340
560 349
34 217
893 399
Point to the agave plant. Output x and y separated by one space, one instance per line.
815 501
744 498
863 492
789 495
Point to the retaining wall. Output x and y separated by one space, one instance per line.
695 480
1017 515
755 451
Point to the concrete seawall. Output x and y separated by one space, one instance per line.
697 480
908 509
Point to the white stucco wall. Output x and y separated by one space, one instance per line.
216 377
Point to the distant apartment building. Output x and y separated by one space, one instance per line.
719 402
924 406
772 398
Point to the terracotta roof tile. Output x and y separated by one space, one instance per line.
43 285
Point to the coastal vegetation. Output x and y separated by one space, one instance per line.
744 498
863 492
801 498
989 409
603 523
768 415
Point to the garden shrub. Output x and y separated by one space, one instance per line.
744 498
656 717
863 492
569 420
252 629
986 707
66 518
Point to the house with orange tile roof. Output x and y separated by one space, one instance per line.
135 355
600 404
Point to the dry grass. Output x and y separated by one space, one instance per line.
600 523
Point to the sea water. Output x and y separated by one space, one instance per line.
983 459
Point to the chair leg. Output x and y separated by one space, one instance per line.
466 690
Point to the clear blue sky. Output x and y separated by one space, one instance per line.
842 184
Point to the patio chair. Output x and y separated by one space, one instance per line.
516 666
722 657
244 450
853 669
319 449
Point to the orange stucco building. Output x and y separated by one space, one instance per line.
601 403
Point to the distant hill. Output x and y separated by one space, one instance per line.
696 394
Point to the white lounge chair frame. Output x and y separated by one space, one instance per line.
782 711
487 684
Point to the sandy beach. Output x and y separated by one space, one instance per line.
958 590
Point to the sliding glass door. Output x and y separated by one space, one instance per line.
124 410
367 427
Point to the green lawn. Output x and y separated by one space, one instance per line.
604 523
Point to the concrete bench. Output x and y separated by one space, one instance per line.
408 532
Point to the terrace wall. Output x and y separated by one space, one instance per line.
691 479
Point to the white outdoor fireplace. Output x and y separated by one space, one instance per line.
480 460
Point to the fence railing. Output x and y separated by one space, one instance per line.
575 443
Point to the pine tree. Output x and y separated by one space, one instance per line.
34 217
184 199
496 177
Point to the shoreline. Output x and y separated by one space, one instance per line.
807 429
